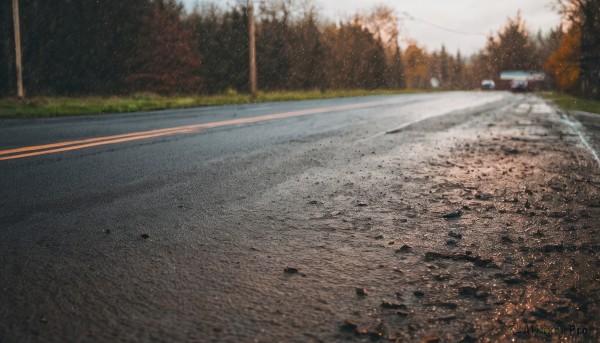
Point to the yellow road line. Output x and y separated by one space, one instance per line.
81 141
134 136
89 145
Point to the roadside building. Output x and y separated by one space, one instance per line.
533 80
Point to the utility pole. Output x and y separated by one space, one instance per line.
252 48
18 57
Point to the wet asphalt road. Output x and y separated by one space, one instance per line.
74 264
69 182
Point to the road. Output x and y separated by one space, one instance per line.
179 225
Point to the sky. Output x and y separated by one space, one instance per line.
474 18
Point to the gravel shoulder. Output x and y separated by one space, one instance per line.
473 227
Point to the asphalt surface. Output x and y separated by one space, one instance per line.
70 181
187 237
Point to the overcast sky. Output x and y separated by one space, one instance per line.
476 17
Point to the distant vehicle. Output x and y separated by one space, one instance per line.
488 85
519 86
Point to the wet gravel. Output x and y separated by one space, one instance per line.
493 229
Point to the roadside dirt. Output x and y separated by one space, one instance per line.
504 239
489 234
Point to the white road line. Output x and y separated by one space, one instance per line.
576 126
483 108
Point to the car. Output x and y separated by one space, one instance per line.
488 85
519 86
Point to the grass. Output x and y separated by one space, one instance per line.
571 103
37 107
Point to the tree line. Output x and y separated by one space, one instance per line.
575 63
99 47
120 47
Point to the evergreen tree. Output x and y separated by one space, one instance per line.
7 72
511 49
444 75
166 60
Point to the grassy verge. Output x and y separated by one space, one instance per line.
64 106
571 103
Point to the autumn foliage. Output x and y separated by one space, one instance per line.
564 64
123 47
577 59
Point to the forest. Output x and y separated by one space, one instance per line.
115 47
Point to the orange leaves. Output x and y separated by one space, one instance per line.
416 61
564 63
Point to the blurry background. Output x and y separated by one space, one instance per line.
114 47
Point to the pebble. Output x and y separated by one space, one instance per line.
480 294
402 313
391 305
514 281
430 339
442 277
454 234
362 292
468 339
453 215
291 270
349 325
467 291
362 331
404 249
483 196
451 242
506 240
553 248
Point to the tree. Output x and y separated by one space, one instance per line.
356 59
510 49
307 67
273 45
167 61
586 15
564 64
416 61
222 42
396 78
7 73
458 70
73 47
382 23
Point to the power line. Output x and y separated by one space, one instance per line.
413 18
